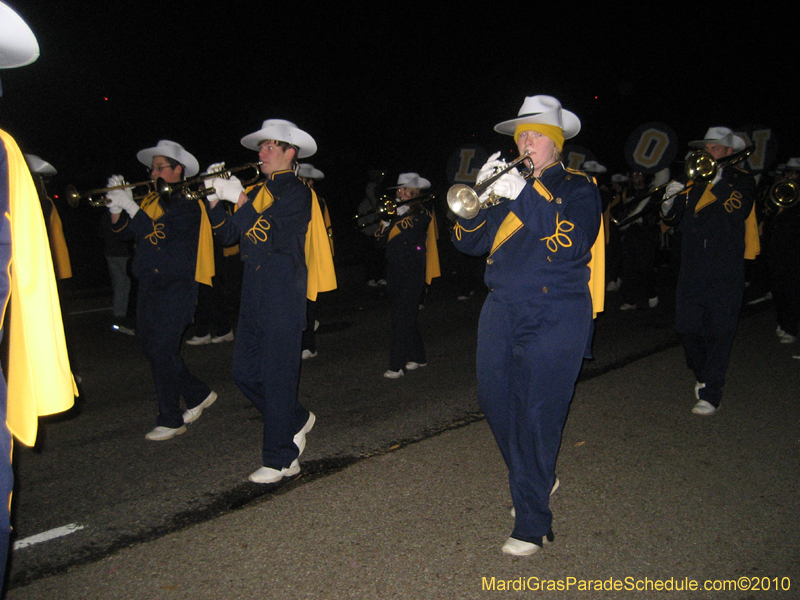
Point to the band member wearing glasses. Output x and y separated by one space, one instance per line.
40 382
278 225
412 260
174 253
536 323
718 230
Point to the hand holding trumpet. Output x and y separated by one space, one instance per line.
120 198
508 185
220 187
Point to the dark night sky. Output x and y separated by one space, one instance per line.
389 86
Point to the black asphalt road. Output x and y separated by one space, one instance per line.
403 494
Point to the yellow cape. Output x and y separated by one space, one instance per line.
204 269
58 244
39 378
319 253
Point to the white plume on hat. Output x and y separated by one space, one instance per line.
282 131
18 45
545 110
722 136
411 180
171 150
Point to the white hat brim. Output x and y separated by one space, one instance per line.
171 150
282 131
18 45
570 123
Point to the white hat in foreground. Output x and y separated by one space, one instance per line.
544 110
282 131
18 45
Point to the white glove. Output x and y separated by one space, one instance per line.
673 189
666 206
215 168
717 177
402 209
226 189
509 185
120 199
489 168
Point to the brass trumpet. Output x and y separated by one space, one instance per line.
464 201
387 208
98 197
164 189
784 193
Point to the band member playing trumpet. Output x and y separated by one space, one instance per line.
536 322
277 224
173 254
412 260
716 221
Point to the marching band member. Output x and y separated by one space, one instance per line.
412 260
717 224
783 248
37 366
281 236
174 253
536 322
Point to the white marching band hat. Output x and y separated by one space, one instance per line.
309 172
39 166
722 136
18 45
592 166
411 180
171 150
282 131
544 110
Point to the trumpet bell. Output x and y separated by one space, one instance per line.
463 201
784 194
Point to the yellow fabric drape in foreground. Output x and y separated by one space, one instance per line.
204 268
319 255
39 378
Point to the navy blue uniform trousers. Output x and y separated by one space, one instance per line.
165 307
529 357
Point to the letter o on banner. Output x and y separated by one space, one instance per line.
651 148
